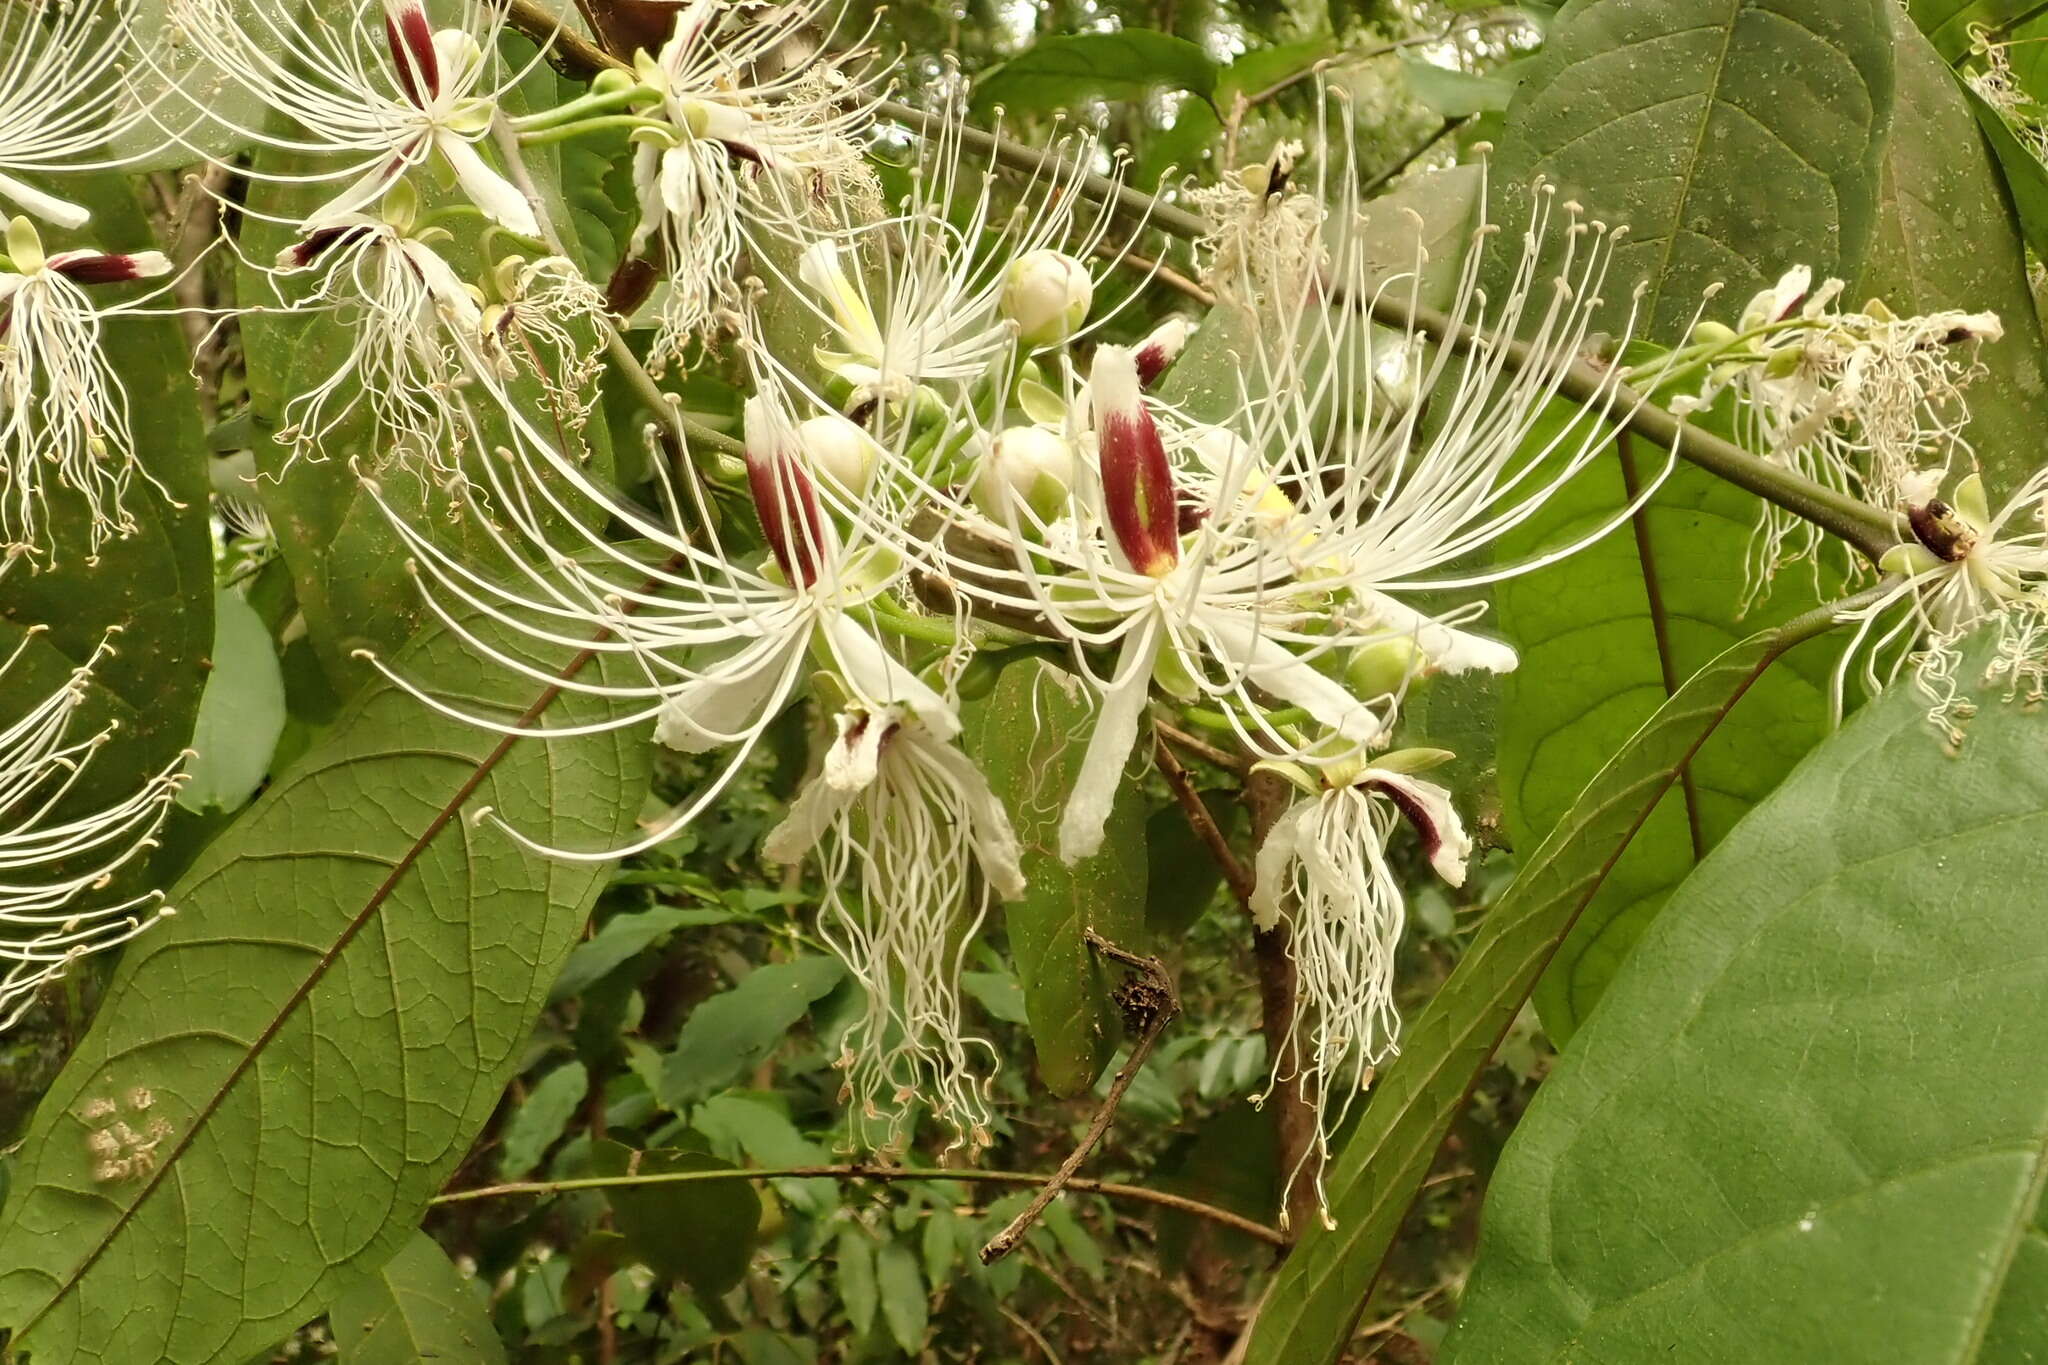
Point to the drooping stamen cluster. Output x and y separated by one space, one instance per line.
902 822
53 858
63 410
735 112
1856 401
382 105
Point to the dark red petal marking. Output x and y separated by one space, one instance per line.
89 267
1152 362
1414 812
781 487
412 52
321 240
1137 491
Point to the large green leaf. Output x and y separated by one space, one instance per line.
1029 736
1735 138
1808 1123
1323 1286
309 1047
1947 23
1945 239
418 1310
1066 72
1605 636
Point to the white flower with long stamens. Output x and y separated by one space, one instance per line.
1240 564
735 112
53 859
1856 401
421 333
376 87
58 97
899 817
1966 568
919 298
63 410
1323 872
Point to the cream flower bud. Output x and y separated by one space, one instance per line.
1047 294
837 449
1025 467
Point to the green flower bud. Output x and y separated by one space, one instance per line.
1047 294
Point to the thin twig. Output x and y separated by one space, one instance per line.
569 52
1379 182
1159 270
1202 822
1200 748
1152 998
1107 1188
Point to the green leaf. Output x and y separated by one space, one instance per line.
1267 64
1735 138
858 1291
1065 72
207 108
322 1028
418 1310
625 937
241 712
701 1232
1605 636
1945 239
1451 93
1807 1123
1029 737
1947 23
1182 875
537 1123
726 1035
1323 1286
901 1289
2026 179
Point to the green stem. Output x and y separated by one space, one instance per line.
586 106
606 124
1113 1190
1998 31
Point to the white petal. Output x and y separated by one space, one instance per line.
1428 807
48 207
1447 648
498 197
855 758
878 679
718 708
989 830
1269 665
1109 748
813 812
1276 856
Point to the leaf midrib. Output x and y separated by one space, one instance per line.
399 870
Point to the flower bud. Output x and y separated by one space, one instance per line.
1025 468
1384 667
784 498
838 450
1047 294
24 246
1161 346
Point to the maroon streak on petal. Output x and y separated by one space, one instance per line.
781 487
1414 812
321 240
411 37
1137 483
90 267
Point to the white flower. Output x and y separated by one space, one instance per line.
729 123
58 104
1047 294
899 817
63 410
376 86
1856 401
917 298
1965 568
1323 872
54 858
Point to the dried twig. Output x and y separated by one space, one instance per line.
1149 1003
1202 822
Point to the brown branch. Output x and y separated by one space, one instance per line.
884 1174
1150 999
1294 1118
569 52
1202 822
1200 748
